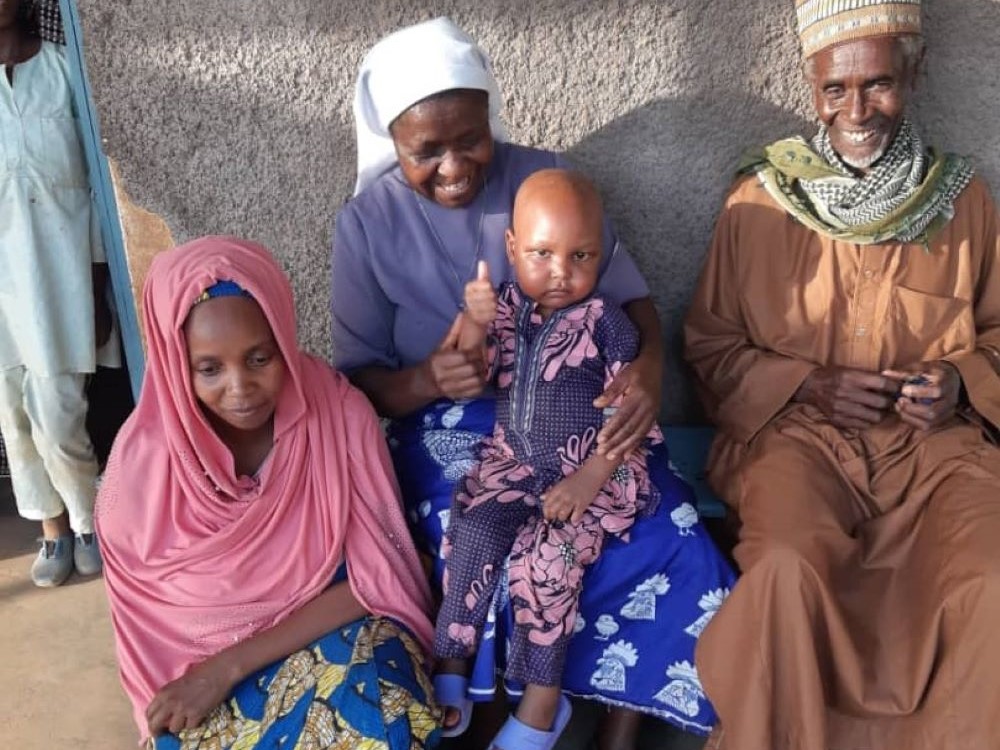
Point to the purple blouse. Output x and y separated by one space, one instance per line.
401 262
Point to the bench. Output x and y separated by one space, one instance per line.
688 448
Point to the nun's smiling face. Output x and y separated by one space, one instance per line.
445 146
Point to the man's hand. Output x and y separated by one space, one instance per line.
849 398
640 385
185 702
929 405
452 373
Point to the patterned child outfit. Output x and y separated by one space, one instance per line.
548 374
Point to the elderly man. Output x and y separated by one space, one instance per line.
846 339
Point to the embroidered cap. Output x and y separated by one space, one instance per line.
823 23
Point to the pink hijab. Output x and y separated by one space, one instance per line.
197 558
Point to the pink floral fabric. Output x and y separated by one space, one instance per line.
572 341
548 373
546 572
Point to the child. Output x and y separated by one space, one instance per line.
540 492
53 313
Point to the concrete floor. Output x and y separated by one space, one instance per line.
58 680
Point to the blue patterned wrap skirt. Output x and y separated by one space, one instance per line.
644 602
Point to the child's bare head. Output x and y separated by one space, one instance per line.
563 192
556 238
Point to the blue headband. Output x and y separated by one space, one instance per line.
223 288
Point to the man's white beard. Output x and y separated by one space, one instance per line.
867 161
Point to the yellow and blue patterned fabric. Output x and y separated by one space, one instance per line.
360 687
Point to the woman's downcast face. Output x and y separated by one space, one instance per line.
237 370
445 145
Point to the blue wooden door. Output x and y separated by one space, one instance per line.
107 207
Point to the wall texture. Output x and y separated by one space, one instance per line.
234 115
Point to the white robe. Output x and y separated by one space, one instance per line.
49 232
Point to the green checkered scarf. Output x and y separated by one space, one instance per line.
906 197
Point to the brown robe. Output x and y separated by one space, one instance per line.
868 614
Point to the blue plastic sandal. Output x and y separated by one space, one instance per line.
450 692
516 735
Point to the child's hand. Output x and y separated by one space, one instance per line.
569 498
480 297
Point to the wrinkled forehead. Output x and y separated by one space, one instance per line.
863 58
475 102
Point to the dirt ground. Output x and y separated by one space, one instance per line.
58 680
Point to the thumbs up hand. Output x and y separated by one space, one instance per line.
480 297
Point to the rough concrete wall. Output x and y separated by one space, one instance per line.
234 115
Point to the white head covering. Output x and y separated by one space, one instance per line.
407 66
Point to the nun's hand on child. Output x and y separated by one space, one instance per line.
635 392
185 702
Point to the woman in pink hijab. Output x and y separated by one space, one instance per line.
263 585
